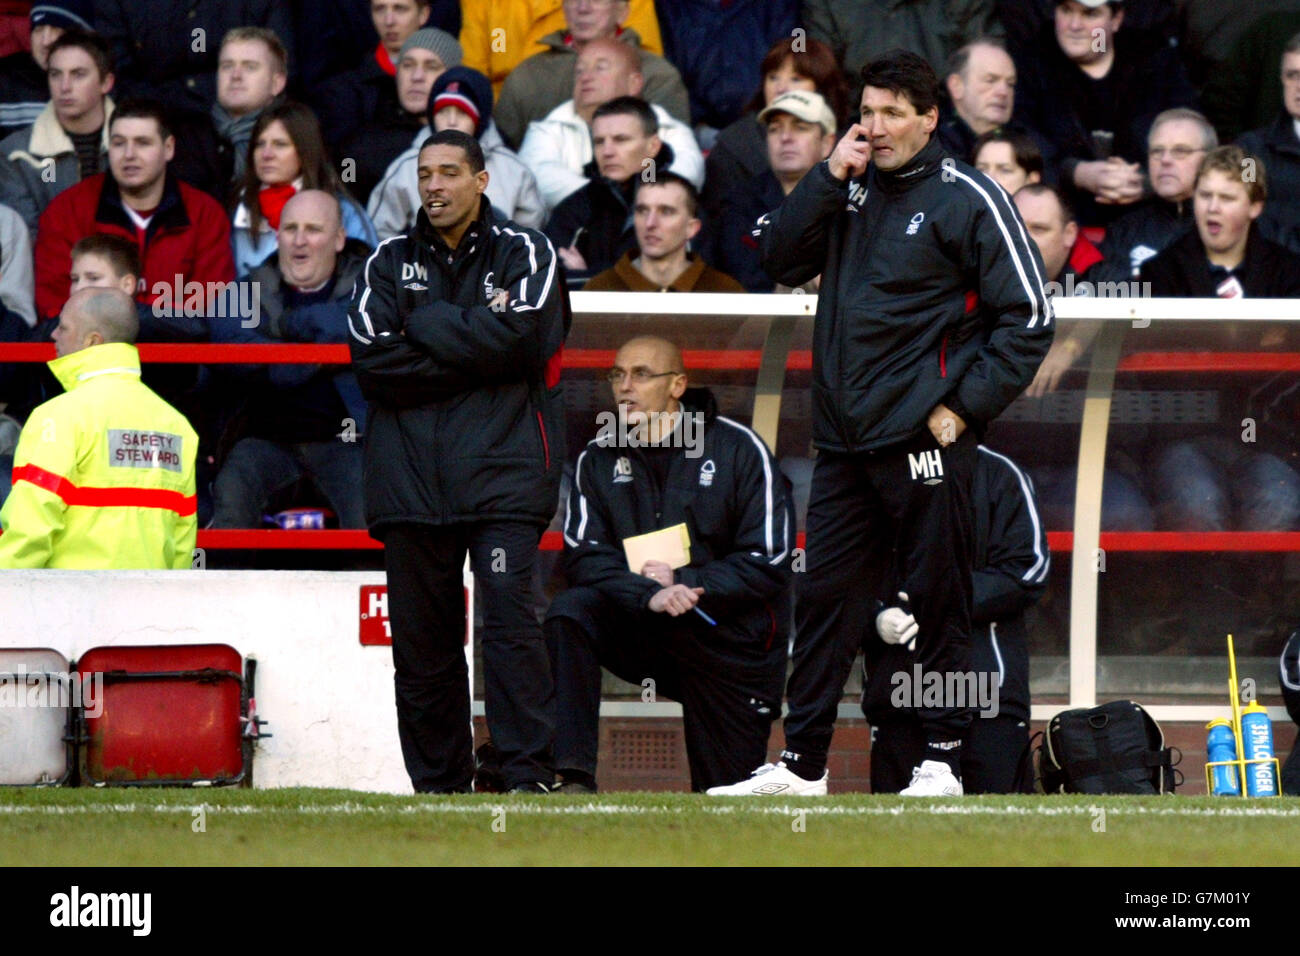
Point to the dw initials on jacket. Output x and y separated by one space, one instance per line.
466 415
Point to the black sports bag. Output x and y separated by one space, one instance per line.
1114 748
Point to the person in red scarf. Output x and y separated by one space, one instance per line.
286 155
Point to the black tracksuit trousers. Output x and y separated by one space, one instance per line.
726 721
426 610
994 759
900 515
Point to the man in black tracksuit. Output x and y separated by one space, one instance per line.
931 319
711 634
1012 561
457 327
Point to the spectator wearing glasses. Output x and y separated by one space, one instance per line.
1179 141
1217 482
1092 91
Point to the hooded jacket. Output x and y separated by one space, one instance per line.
511 190
545 80
557 149
103 474
725 487
931 292
466 414
26 183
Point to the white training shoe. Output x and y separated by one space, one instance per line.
933 778
771 780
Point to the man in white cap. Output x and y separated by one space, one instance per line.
800 134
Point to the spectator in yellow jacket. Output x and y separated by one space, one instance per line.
497 35
104 473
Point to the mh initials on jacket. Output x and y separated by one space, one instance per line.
928 464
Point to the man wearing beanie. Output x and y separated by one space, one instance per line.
24 87
383 135
461 99
346 101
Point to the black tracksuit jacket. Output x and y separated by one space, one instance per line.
737 507
466 417
931 292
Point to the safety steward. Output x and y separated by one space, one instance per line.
711 634
456 331
104 473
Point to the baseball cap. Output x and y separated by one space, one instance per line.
805 105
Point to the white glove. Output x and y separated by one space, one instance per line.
896 626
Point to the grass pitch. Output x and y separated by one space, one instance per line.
298 827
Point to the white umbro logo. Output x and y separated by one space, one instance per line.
769 788
915 223
707 470
622 470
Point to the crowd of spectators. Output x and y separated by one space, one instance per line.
275 141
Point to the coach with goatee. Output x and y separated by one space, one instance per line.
457 327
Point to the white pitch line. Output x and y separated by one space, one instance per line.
710 809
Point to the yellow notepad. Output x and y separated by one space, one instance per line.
670 545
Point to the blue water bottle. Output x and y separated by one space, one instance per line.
1221 745
1257 742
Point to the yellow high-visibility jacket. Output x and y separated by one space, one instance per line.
103 474
497 35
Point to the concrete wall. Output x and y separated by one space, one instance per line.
328 700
